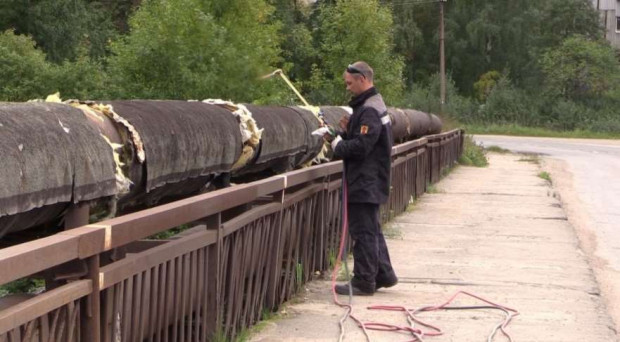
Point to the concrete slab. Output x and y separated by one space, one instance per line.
499 232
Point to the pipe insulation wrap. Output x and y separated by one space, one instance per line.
182 139
51 154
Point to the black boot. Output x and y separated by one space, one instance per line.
387 281
343 289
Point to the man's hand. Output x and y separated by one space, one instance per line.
344 121
336 142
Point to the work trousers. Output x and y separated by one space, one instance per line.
370 254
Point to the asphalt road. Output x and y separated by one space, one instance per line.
593 169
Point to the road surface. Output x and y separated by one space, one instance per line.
586 173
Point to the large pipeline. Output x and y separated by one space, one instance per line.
121 156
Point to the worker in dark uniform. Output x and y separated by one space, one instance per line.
365 145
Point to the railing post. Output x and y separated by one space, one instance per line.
90 308
214 277
272 297
91 314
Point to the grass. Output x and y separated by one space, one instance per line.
392 231
24 285
530 158
412 205
545 175
332 258
299 274
473 154
245 334
219 336
342 272
445 172
169 233
432 189
518 130
497 149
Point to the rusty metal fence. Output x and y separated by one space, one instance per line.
251 249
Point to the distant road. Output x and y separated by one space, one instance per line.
595 168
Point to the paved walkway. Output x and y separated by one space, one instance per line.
498 232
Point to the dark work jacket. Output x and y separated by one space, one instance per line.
366 149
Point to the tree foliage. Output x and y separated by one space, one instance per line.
528 62
580 68
184 49
23 69
485 84
27 75
60 27
350 31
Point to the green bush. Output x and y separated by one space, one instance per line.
425 96
507 104
27 75
342 39
580 68
568 115
485 84
473 154
606 125
83 79
22 286
23 70
191 49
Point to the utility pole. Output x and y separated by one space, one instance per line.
442 55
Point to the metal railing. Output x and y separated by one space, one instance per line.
251 249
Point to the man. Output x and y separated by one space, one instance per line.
365 147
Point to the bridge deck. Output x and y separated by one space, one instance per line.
498 232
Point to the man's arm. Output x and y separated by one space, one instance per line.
360 146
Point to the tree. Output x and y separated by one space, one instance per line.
23 68
349 31
580 68
490 35
28 75
485 84
298 49
60 27
192 49
509 35
408 37
561 19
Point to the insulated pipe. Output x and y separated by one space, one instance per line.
166 149
286 139
407 124
435 125
420 122
51 154
186 144
401 126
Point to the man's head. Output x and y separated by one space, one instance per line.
358 77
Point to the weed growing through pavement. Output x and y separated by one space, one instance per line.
497 149
530 158
546 176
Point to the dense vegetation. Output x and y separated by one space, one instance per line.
512 62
